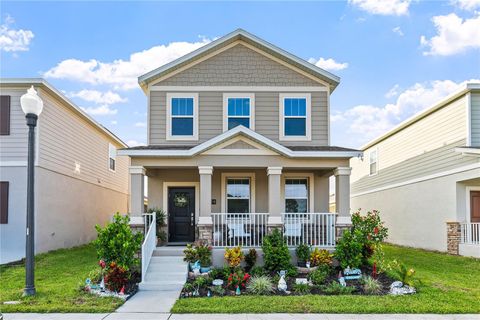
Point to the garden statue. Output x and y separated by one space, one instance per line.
341 279
88 282
352 274
307 264
102 285
196 268
237 292
209 294
282 284
122 291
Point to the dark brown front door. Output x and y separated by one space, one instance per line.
474 206
181 214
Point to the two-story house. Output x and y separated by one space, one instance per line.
424 176
239 142
79 179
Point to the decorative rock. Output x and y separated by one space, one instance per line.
12 302
397 288
301 281
217 282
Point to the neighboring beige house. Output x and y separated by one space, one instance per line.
239 142
424 176
79 179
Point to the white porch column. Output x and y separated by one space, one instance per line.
342 194
274 192
137 186
205 194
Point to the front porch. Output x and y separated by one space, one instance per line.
236 206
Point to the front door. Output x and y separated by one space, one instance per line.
474 206
181 214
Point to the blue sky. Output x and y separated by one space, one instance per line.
395 57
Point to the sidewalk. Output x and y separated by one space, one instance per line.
275 316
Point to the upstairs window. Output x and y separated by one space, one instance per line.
373 162
182 117
4 115
295 122
238 109
112 156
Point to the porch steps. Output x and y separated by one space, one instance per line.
169 251
167 271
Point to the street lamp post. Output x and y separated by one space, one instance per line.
32 106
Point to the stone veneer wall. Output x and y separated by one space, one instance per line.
453 237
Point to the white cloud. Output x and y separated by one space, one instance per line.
383 7
398 31
114 122
12 40
140 124
122 74
454 35
328 64
135 143
468 5
99 97
368 121
103 110
392 92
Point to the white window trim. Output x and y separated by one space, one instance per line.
468 214
250 96
169 135
300 175
370 163
115 158
308 125
247 175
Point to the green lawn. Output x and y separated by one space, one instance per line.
58 275
450 285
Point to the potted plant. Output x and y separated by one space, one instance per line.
204 254
303 254
160 218
191 255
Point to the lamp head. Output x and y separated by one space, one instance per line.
31 103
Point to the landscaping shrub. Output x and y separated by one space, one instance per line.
349 249
251 258
257 271
301 288
216 273
201 282
234 256
261 285
204 253
335 288
217 290
117 242
320 257
371 285
116 277
237 279
191 255
318 277
303 254
276 256
372 230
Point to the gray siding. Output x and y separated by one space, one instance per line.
238 66
475 118
438 160
266 117
14 146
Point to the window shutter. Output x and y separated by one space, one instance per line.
4 115
4 202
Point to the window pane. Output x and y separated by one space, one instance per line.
295 107
182 126
296 205
233 122
238 206
238 106
182 106
295 127
373 168
296 188
238 188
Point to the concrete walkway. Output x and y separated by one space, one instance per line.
276 316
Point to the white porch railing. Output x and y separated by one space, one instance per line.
315 229
149 241
239 229
470 233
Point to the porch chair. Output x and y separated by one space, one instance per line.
293 229
237 230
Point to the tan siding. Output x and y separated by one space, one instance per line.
475 118
266 117
238 66
443 128
13 147
66 138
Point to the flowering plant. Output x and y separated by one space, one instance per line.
234 256
102 264
320 257
237 279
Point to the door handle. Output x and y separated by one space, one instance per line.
191 219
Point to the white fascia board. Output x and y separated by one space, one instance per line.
468 151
